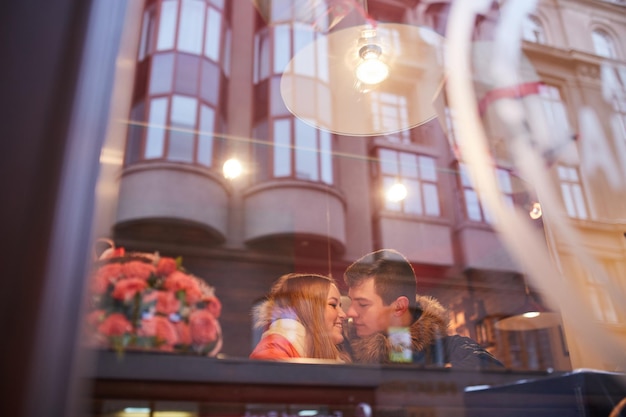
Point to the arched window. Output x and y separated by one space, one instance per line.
603 44
182 66
286 146
532 30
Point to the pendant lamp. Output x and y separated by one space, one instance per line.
368 80
529 316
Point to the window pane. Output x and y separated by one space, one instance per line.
472 205
388 162
156 128
187 69
167 25
390 205
326 158
147 32
282 48
579 200
504 181
306 66
413 200
408 165
161 74
263 51
427 167
183 122
282 150
205 136
210 83
431 200
213 38
191 26
306 152
135 134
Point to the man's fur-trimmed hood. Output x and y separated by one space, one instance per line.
432 325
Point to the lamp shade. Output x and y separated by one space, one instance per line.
320 84
530 316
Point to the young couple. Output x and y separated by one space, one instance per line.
303 318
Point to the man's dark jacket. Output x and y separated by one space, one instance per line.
431 344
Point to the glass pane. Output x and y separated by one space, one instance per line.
388 162
187 74
504 181
161 74
413 200
147 31
302 38
579 200
210 84
326 157
408 165
282 149
213 38
263 54
428 170
157 120
205 136
183 123
431 200
388 182
472 205
191 26
322 58
282 48
306 152
277 104
167 25
135 134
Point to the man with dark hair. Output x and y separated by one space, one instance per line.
382 287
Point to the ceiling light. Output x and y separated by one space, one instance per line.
535 211
354 74
371 70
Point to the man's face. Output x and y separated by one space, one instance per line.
369 314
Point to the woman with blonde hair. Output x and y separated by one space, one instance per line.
301 318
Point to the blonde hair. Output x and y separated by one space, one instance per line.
306 295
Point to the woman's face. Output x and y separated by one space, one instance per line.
334 315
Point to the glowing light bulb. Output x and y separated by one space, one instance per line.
531 314
396 192
232 168
371 69
535 211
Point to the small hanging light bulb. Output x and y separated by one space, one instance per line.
535 211
371 69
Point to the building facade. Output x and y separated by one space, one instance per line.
198 83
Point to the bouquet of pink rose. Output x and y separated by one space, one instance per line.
143 301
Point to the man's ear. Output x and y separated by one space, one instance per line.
401 305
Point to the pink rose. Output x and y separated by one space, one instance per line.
179 281
96 317
127 288
214 306
161 328
167 303
105 275
115 325
203 327
138 269
166 266
184 333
